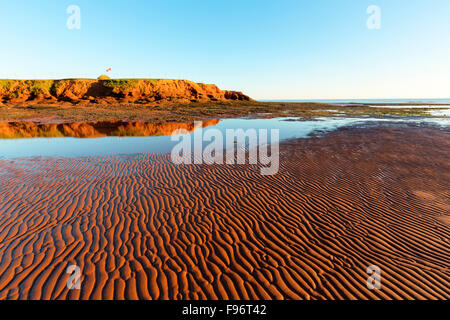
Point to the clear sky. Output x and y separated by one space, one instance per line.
277 49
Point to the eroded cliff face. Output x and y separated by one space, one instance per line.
140 91
28 129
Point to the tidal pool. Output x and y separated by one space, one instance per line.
160 140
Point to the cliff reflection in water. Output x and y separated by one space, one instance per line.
25 129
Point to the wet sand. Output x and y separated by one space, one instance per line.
140 227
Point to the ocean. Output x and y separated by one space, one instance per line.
367 101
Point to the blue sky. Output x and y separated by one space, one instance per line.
299 49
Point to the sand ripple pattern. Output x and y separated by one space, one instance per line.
140 227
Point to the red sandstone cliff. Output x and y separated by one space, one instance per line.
142 91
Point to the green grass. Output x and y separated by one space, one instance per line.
40 86
35 87
125 84
122 84
7 84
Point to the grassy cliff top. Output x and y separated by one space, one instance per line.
47 83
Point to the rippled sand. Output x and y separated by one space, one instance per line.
140 227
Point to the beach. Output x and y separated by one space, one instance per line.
141 227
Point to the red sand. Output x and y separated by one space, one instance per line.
142 228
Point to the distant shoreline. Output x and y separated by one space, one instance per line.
185 112
166 100
432 101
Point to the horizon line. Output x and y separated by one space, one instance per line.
346 99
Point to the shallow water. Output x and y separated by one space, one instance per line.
288 128
440 113
424 106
